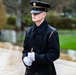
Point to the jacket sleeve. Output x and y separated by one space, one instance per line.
25 48
53 52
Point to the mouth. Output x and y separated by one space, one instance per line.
34 18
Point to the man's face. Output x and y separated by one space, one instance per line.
38 17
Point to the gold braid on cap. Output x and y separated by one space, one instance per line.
38 7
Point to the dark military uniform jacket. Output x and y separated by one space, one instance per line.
46 49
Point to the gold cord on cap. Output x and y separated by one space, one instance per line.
38 7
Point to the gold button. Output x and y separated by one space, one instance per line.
45 9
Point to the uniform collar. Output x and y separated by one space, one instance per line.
41 27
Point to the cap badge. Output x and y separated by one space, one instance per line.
34 4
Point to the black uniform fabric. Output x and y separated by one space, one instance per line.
46 49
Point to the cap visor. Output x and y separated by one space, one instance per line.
35 11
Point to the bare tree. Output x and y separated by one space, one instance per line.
2 15
18 7
21 7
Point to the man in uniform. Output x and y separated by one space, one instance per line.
41 44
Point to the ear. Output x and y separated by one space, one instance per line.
44 14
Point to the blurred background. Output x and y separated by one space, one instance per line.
15 18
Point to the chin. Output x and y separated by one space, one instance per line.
34 20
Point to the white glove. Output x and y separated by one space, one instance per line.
27 61
31 56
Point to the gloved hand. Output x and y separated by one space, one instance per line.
27 61
31 56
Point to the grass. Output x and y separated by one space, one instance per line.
67 41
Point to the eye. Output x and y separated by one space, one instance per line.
36 13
